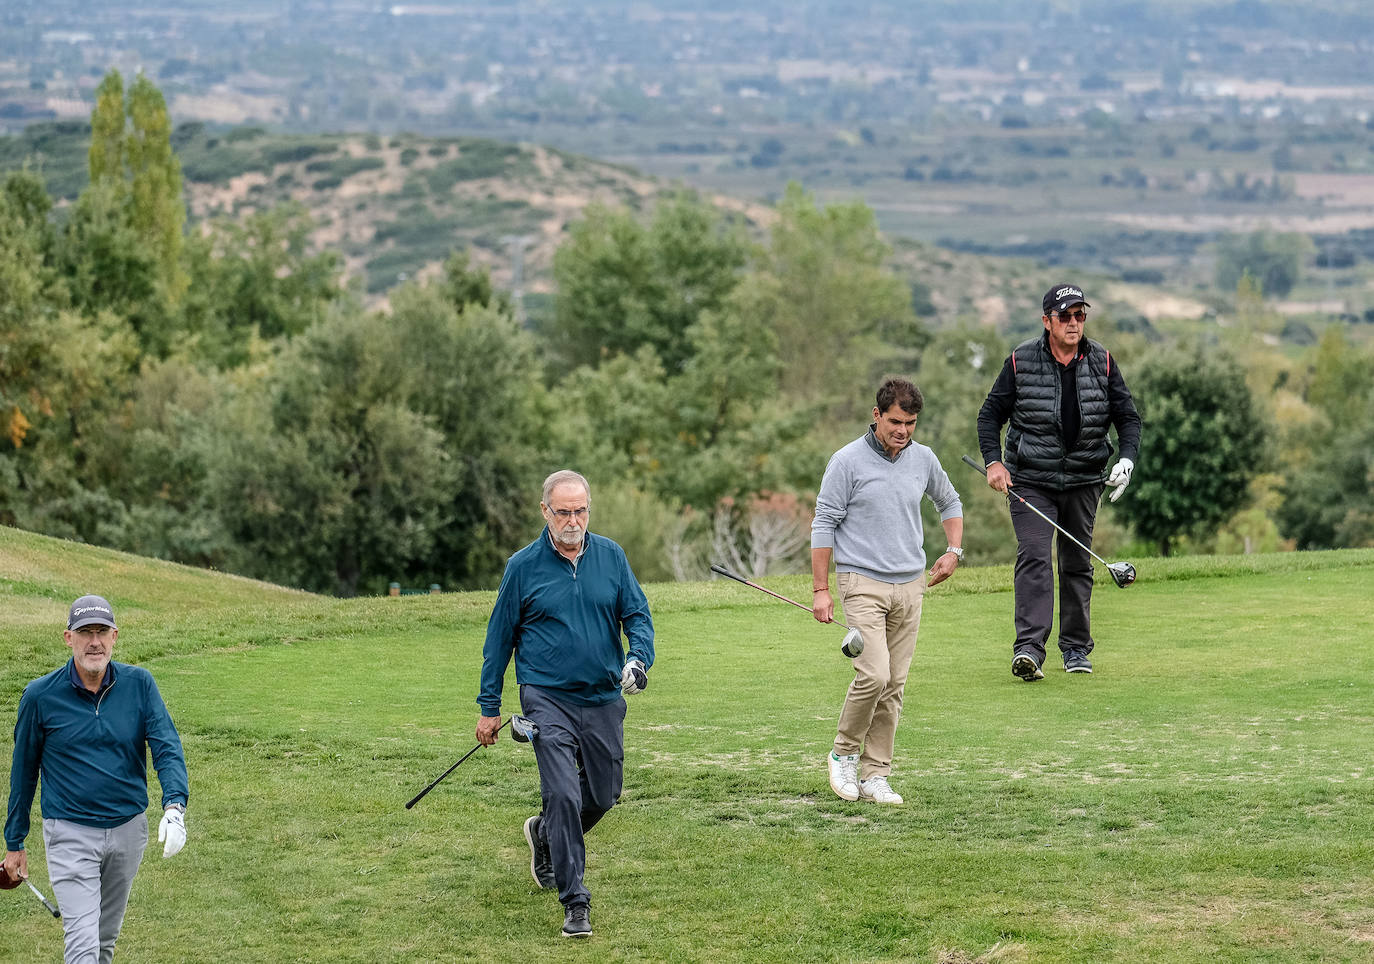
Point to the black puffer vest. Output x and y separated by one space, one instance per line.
1035 444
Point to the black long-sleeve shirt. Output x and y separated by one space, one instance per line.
1001 401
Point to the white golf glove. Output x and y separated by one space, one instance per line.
1120 477
634 678
173 830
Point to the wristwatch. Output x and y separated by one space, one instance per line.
181 807
957 550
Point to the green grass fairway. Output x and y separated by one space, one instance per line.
1206 795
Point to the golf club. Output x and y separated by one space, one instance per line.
522 729
9 883
853 643
1123 573
39 894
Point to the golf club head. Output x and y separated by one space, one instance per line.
853 643
7 882
46 903
1123 573
523 729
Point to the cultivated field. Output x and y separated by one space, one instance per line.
1204 796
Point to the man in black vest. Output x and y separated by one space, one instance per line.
1061 393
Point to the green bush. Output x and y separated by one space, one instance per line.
479 159
417 233
293 151
244 134
220 164
346 166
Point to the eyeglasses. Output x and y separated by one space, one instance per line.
100 632
1077 314
565 515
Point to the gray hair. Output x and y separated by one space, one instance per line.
561 476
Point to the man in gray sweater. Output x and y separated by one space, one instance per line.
868 517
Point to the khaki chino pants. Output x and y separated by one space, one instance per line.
889 616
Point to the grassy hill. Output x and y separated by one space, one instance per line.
1203 796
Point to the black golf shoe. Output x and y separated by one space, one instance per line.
577 921
1023 665
541 864
1077 662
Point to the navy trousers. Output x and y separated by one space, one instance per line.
581 755
1075 510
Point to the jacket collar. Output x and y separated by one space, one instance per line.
553 547
1082 350
875 445
75 679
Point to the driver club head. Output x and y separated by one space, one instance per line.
853 643
523 729
1123 573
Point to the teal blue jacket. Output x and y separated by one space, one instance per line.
92 750
562 621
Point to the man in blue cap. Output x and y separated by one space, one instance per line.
86 730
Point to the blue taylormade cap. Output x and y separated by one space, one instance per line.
91 611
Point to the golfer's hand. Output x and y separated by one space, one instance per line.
172 829
998 477
823 607
487 727
17 864
633 678
944 568
1120 477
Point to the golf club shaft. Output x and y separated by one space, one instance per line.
721 570
1042 515
416 799
39 894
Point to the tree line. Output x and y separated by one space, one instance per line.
219 395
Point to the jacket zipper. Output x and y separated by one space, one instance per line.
101 698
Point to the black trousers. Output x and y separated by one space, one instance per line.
1075 510
581 755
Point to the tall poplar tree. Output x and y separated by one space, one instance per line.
157 212
131 158
106 156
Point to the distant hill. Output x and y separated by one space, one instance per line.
395 207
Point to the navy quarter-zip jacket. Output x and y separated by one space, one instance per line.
563 622
92 750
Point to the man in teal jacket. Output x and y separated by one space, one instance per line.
86 729
564 601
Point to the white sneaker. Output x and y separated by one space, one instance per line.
876 789
844 775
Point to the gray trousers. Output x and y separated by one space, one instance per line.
91 871
1075 510
581 755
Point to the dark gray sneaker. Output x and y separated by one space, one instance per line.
1077 662
1024 666
577 921
541 864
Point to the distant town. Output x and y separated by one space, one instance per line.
437 67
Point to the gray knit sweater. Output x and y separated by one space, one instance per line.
869 508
